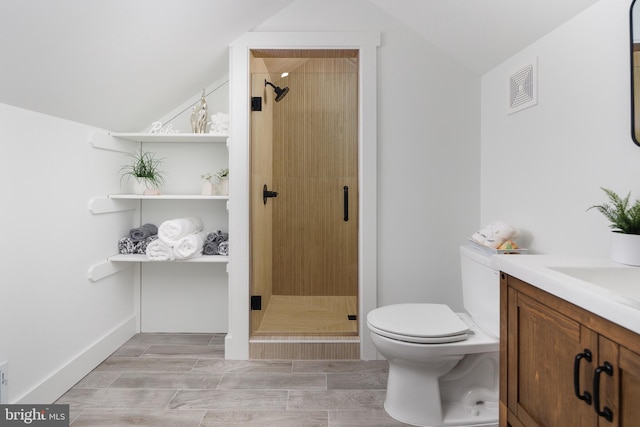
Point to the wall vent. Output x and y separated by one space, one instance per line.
523 87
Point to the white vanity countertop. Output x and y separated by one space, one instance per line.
538 270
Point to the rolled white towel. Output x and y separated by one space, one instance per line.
171 231
160 251
189 246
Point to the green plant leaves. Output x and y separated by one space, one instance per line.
144 166
623 218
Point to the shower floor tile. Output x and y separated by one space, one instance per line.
309 315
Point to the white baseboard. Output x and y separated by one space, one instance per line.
49 390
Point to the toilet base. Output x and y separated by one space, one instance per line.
457 416
407 401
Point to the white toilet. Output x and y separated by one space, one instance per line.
443 366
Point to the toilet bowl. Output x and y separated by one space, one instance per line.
443 366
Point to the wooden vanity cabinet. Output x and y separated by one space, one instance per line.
559 362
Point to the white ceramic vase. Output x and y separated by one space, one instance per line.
625 248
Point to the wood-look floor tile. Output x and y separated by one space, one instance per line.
98 379
146 364
229 399
336 366
169 338
274 381
184 351
377 418
173 380
218 339
184 380
224 366
130 350
359 381
336 400
138 418
117 398
265 418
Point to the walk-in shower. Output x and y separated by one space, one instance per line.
304 242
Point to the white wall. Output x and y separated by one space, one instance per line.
428 150
55 324
543 167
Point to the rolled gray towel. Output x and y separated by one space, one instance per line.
141 246
223 248
140 233
210 248
217 236
126 246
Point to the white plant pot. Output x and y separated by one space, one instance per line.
143 186
625 248
223 187
139 186
208 189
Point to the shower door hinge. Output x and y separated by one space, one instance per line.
256 302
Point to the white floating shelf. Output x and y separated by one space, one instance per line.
170 137
143 258
166 197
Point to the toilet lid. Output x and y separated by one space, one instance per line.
422 323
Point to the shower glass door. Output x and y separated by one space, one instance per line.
304 250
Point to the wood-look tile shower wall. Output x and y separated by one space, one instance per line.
315 154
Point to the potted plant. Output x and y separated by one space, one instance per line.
625 222
145 169
223 181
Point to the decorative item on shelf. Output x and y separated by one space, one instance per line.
219 124
145 171
157 127
625 222
223 182
199 116
208 187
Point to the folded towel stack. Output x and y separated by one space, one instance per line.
495 234
178 239
216 243
175 239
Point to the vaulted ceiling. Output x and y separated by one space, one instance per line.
120 64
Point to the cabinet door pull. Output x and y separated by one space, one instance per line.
586 355
606 413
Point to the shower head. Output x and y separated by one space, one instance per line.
280 93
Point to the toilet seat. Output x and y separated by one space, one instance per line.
418 323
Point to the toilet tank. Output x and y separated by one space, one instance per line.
480 288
